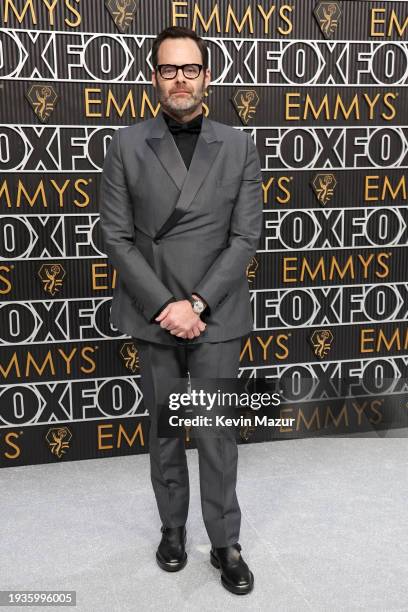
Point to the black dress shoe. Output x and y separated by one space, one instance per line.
235 574
171 554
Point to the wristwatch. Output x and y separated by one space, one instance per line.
198 305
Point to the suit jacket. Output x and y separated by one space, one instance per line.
169 231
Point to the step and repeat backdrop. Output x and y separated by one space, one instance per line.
322 89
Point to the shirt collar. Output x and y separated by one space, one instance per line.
195 122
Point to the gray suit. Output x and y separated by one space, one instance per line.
171 232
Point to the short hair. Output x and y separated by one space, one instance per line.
179 32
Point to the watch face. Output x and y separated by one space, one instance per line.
198 306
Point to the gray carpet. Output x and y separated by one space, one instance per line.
324 527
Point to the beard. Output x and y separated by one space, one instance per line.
180 105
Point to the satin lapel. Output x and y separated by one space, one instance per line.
189 182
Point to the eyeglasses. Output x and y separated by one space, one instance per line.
169 71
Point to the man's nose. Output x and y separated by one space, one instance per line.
180 75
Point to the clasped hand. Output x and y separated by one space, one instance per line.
180 320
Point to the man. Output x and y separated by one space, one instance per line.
181 217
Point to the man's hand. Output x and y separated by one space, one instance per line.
180 320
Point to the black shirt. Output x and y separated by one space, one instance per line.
185 135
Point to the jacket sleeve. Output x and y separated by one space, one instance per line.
227 270
117 228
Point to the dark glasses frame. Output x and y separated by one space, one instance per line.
177 68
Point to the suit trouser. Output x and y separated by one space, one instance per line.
218 456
